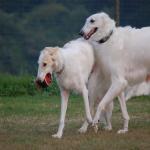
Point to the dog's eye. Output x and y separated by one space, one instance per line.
44 64
92 21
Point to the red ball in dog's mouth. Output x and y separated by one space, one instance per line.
47 81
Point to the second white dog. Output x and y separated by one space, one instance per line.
123 55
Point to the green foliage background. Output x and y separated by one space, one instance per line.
27 26
11 85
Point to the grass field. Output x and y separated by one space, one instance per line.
27 123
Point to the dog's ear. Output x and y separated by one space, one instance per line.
52 50
55 49
105 19
107 22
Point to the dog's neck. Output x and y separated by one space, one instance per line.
59 72
106 38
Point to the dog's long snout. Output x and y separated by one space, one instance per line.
81 33
38 83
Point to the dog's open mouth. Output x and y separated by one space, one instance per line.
43 84
92 31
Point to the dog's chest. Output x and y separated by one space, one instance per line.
105 61
69 83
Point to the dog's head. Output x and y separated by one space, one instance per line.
97 26
47 64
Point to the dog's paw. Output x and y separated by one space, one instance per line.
82 130
58 136
122 131
107 128
95 122
95 127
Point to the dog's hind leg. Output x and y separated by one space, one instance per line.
85 125
118 85
64 103
86 104
108 115
125 114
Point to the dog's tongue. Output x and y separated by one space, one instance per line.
48 79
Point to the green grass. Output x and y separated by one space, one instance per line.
27 123
11 85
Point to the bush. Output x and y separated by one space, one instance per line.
22 85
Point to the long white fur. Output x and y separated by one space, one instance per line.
77 59
124 60
97 90
137 90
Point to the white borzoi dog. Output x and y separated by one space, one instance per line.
96 93
123 55
72 66
97 89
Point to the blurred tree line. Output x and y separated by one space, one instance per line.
27 26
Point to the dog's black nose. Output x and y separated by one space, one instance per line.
81 33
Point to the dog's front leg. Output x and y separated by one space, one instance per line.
64 103
125 115
115 89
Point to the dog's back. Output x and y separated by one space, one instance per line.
79 56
